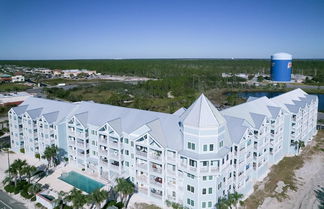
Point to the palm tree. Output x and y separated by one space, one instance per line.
97 197
298 144
29 170
48 156
234 198
125 188
34 189
60 202
13 172
222 203
19 166
77 198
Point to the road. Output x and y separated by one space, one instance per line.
6 202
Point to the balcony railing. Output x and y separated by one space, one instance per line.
103 152
156 170
143 154
156 182
142 178
155 156
142 165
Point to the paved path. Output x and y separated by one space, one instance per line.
6 202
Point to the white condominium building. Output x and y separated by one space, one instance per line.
193 156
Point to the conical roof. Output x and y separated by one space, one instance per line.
202 114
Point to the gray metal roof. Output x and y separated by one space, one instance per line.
293 100
202 114
236 128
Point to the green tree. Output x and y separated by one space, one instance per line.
51 155
260 78
97 197
235 198
298 144
19 165
34 189
222 203
125 189
60 202
77 199
29 170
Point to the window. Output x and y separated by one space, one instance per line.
203 205
204 178
192 203
205 163
220 144
191 146
190 176
204 191
190 188
211 147
127 163
205 148
210 190
126 152
126 141
209 204
210 178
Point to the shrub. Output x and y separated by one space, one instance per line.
39 205
37 155
33 199
16 190
119 205
10 188
25 194
22 150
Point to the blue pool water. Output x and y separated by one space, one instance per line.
81 182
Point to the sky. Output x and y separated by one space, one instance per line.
109 29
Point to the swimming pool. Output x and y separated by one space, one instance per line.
81 182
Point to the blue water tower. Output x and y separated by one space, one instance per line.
281 67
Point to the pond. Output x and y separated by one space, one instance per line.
270 94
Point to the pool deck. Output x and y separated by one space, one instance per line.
59 185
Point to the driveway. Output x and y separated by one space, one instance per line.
6 202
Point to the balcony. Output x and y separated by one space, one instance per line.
143 189
104 161
142 178
156 193
114 154
204 169
156 168
103 152
156 155
156 181
214 169
113 144
142 165
191 168
114 166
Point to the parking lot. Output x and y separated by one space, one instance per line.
4 206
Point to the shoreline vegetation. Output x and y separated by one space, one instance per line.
178 81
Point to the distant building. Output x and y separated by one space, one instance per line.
5 78
13 98
76 72
18 78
